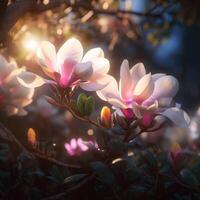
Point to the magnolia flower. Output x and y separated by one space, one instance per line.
144 95
13 96
77 146
68 67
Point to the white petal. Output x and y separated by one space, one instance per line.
46 55
100 65
11 110
30 80
116 102
111 88
166 86
155 77
98 83
177 116
93 53
144 87
125 84
71 49
137 72
84 70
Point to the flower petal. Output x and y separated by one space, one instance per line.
111 88
144 88
93 53
71 49
83 70
97 83
116 102
30 80
177 116
166 86
67 70
46 55
100 65
125 84
137 72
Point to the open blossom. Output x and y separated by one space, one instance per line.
13 96
68 67
143 96
78 146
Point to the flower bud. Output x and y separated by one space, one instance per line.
31 135
106 117
175 151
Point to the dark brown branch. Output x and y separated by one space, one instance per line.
19 8
10 137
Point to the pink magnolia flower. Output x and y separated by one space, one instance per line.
68 67
144 95
77 146
13 96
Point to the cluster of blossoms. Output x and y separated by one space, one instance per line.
13 96
139 95
77 146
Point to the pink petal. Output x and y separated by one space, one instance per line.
67 70
71 49
73 143
47 55
69 149
144 88
137 72
81 145
125 84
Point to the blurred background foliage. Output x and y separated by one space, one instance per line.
164 34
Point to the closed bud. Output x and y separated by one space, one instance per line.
85 105
106 117
81 103
31 135
89 105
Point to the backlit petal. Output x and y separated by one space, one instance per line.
46 55
71 49
111 88
125 84
93 53
30 80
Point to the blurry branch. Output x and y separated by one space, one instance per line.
10 137
13 12
72 189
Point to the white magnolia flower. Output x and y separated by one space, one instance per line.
144 95
68 67
13 96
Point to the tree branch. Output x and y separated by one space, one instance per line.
19 8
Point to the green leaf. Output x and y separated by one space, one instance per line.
150 158
81 103
89 105
103 173
189 178
133 174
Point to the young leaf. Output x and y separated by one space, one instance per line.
89 105
81 103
